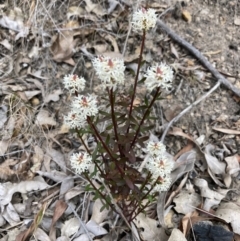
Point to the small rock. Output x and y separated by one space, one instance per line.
186 16
237 21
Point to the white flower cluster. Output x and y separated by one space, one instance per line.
73 83
80 162
159 75
159 165
82 106
109 70
144 19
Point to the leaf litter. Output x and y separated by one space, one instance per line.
34 150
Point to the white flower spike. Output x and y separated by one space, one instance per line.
144 19
80 162
109 70
74 120
85 105
156 148
73 83
160 75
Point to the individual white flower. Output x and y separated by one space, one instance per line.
144 19
80 162
74 120
85 105
156 148
162 165
160 75
163 184
73 83
109 70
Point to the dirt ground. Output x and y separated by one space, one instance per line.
37 49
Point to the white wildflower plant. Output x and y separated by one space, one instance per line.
74 120
159 75
109 70
113 158
85 105
74 83
80 162
159 166
144 19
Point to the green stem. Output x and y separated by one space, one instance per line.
104 145
83 142
136 78
101 194
144 116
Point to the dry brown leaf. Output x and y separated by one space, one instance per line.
211 197
97 215
227 131
186 201
145 224
24 236
70 227
74 11
44 119
216 166
57 157
4 146
233 164
39 234
177 235
60 208
230 212
54 96
95 8
174 51
37 160
64 44
8 189
6 169
178 132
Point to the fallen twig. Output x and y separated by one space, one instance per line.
176 118
199 56
196 53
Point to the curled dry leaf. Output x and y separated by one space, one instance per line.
216 166
44 119
64 44
8 189
233 164
97 215
177 235
54 96
230 212
70 227
95 8
227 131
95 228
186 201
56 176
39 234
148 228
211 197
6 171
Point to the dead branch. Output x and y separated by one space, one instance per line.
176 118
197 54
